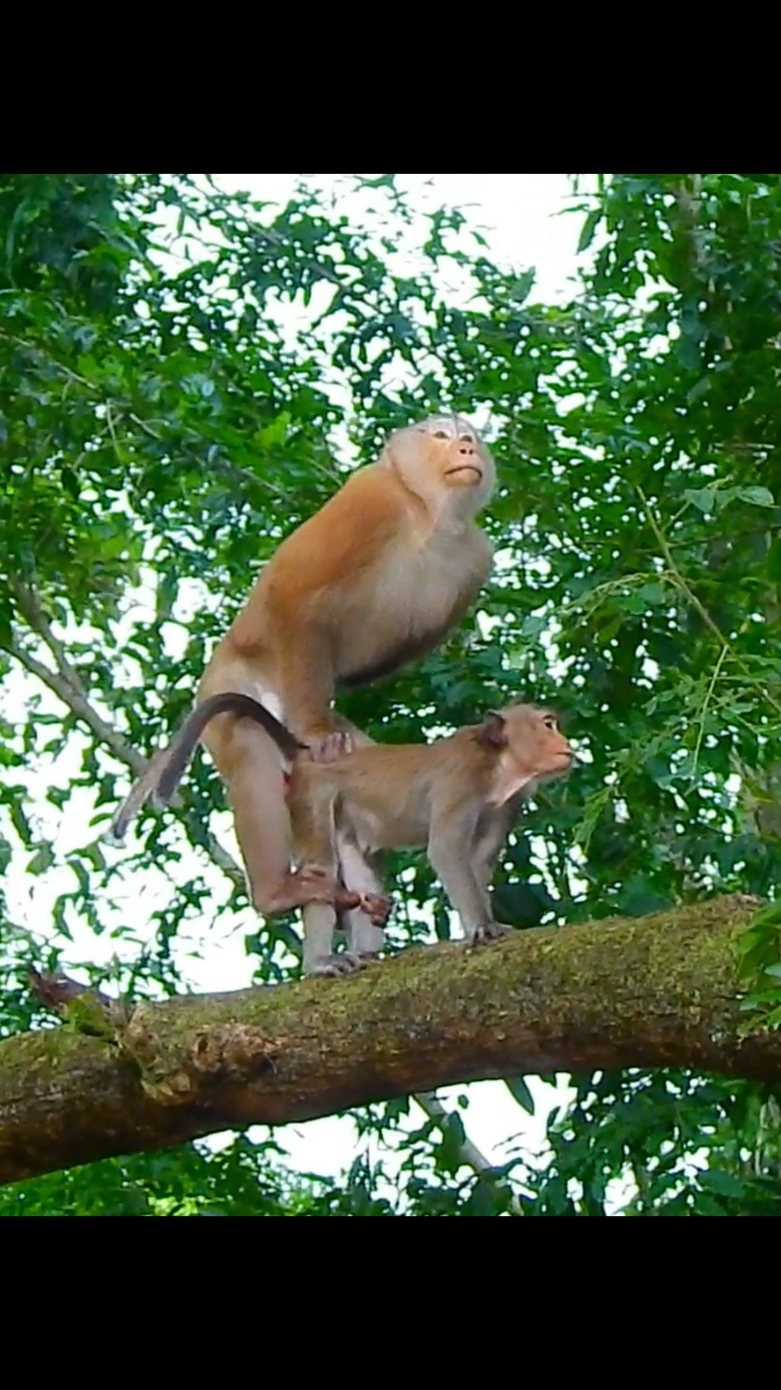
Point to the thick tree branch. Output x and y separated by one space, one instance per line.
654 991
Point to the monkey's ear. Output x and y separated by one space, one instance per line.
493 732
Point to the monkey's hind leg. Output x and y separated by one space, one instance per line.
313 829
253 773
363 924
319 957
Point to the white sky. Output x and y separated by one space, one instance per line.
517 215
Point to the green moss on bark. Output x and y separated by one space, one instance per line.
651 991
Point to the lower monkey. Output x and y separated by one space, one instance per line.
458 797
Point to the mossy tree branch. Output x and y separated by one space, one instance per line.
653 991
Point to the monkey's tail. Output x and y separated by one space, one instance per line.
166 768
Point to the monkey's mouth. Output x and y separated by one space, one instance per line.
564 759
465 468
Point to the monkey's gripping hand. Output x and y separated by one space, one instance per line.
487 931
377 907
328 748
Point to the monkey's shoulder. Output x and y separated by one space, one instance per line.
345 538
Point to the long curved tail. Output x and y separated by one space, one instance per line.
166 768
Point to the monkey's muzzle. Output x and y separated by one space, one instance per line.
471 468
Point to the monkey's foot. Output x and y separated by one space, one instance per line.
329 748
376 906
335 965
488 931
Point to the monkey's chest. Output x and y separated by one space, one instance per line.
406 604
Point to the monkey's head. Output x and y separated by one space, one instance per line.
531 741
443 458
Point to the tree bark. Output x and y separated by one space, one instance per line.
653 991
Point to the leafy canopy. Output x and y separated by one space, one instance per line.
161 431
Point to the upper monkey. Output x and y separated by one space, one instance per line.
373 580
376 578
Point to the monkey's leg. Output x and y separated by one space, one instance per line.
452 832
253 773
364 933
312 819
319 958
492 831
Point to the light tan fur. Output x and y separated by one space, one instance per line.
458 797
371 582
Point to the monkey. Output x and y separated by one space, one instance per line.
371 582
458 797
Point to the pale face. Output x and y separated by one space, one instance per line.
535 737
444 452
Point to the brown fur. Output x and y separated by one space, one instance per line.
458 797
374 580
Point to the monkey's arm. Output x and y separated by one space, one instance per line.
492 830
307 682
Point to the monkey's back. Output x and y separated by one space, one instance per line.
383 795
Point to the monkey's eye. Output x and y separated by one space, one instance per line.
466 439
550 722
441 434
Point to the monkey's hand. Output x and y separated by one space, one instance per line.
487 931
377 907
328 748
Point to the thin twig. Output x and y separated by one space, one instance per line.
67 685
471 1156
704 707
79 706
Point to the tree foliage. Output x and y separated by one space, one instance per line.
160 433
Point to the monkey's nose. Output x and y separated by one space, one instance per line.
467 450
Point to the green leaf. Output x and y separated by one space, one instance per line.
722 1183
534 625
699 389
589 229
757 496
520 1092
704 498
41 860
521 287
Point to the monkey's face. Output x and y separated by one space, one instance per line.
444 455
536 741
